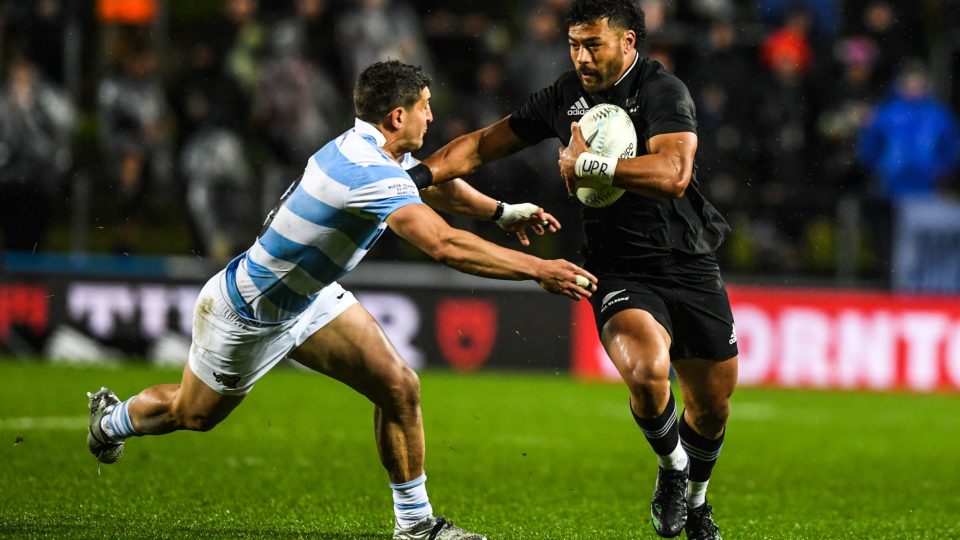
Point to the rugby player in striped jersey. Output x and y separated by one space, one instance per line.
281 297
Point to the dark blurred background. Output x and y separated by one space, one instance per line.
828 128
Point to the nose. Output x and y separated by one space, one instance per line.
430 116
583 56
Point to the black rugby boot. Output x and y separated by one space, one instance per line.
700 525
668 511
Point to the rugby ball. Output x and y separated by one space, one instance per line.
609 132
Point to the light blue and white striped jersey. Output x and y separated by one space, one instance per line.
323 227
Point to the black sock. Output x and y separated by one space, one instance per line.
661 431
703 452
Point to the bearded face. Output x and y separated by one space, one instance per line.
599 53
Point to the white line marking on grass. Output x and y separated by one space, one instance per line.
26 423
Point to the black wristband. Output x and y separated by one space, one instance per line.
498 213
421 175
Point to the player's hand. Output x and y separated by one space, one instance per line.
563 277
517 217
568 158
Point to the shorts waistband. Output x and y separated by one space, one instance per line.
232 298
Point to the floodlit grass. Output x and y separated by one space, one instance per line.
513 456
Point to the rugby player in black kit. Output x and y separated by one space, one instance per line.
660 298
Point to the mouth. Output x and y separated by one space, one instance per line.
585 74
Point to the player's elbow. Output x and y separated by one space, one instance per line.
677 171
442 248
447 254
676 187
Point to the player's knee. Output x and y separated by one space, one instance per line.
710 419
403 392
647 380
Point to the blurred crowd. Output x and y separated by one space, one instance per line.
814 115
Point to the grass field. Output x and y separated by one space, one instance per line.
513 456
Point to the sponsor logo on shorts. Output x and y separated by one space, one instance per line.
230 381
610 299
733 334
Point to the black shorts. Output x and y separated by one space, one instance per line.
692 307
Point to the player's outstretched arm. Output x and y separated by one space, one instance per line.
664 172
466 252
459 197
467 153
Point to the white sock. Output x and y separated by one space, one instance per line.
696 493
675 460
410 501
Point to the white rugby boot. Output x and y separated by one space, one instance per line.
435 528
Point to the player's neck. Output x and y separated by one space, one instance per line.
392 144
393 148
629 63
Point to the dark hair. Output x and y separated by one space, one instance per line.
384 86
623 14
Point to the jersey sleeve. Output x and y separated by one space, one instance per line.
532 122
668 107
381 197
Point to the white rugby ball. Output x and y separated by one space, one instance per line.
609 132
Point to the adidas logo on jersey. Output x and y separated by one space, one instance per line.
733 334
579 108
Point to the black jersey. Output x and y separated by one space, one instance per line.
635 233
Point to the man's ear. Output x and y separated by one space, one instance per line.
396 118
629 40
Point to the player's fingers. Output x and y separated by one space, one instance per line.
522 236
569 288
585 275
576 134
584 286
551 223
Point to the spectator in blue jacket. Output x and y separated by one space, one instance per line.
913 141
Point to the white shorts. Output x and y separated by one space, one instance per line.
229 352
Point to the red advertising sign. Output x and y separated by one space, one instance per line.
825 339
466 331
26 305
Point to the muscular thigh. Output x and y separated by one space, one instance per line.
637 344
353 349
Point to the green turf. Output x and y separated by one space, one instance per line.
514 456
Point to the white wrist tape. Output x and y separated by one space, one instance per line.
513 213
597 168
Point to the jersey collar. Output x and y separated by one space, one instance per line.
366 129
